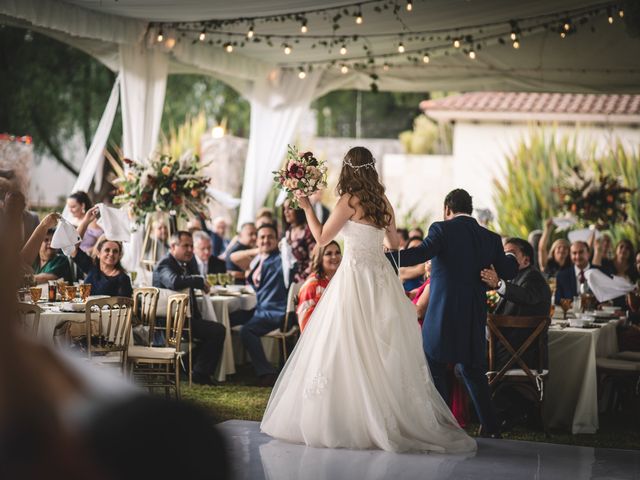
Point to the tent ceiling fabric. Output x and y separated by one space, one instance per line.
583 62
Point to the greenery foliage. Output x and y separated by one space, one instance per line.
427 137
535 169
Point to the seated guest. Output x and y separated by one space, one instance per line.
412 277
622 265
241 253
51 263
416 232
551 262
104 272
157 247
528 294
267 280
176 271
568 280
403 236
205 262
324 263
218 234
265 216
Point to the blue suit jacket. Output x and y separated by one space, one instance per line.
454 326
566 286
271 293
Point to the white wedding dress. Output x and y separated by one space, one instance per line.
358 377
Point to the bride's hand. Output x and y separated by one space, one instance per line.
303 200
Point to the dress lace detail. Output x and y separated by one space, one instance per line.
358 377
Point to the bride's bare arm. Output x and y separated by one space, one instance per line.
391 240
339 216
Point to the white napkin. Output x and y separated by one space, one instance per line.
605 287
224 198
563 223
208 312
582 235
65 237
115 223
288 260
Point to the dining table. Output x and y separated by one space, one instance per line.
570 392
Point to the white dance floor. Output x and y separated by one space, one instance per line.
256 456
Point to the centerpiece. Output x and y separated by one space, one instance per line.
303 173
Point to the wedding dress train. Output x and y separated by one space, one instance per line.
358 377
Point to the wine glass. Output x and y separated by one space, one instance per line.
212 279
565 304
133 274
85 291
222 279
35 293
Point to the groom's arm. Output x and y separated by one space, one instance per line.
429 248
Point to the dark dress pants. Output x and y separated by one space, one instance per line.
210 337
477 385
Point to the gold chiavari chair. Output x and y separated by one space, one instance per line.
155 366
145 304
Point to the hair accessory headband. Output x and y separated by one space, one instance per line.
370 164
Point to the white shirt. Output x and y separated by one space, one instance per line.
202 267
576 271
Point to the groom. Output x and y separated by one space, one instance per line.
453 331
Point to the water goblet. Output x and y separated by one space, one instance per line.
212 279
85 291
35 293
565 304
222 279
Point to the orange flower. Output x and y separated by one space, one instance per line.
194 193
574 207
166 170
174 186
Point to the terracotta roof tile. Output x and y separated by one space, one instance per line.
537 103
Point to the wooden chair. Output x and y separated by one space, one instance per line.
516 371
289 328
157 366
24 311
108 330
145 304
622 372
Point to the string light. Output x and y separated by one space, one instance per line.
456 43
516 44
343 50
563 35
160 36
303 27
567 26
621 13
609 16
514 35
302 74
228 47
250 32
170 43
385 67
472 54
287 49
359 18
344 69
409 5
400 47
425 58
202 36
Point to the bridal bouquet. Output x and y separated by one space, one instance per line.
303 172
164 184
600 200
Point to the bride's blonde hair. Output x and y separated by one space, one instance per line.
359 178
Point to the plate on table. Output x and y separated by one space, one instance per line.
72 307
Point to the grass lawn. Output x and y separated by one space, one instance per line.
237 399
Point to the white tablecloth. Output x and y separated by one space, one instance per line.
571 399
50 319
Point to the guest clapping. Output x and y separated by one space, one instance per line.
299 237
105 273
324 263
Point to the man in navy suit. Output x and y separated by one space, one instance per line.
267 280
453 331
568 279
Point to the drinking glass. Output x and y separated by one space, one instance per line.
222 279
212 279
70 293
22 294
35 293
85 291
133 274
565 304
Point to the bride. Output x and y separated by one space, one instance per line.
358 377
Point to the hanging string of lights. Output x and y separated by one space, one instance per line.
411 47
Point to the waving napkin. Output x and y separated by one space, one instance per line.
115 223
605 287
563 223
65 237
582 235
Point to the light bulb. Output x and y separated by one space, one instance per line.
409 5
563 35
514 35
567 26
610 18
344 69
401 47
202 35
170 43
456 43
250 32
385 67
343 50
621 13
287 50
160 36
516 44
228 47
472 55
304 28
425 58
359 19
302 74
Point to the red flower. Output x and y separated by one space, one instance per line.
296 171
127 161
174 186
194 193
177 200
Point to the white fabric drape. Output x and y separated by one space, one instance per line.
277 103
94 161
142 89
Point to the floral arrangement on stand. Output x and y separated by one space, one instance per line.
303 173
165 184
595 200
493 298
